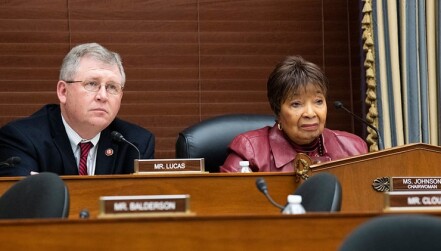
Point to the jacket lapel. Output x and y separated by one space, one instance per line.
61 141
282 150
106 154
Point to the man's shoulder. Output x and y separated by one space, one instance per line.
37 120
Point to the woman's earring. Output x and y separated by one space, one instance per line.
279 126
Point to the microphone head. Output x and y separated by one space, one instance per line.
261 185
338 104
84 214
14 160
116 136
10 162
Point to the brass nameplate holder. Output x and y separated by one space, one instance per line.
143 205
386 184
416 183
413 201
302 164
149 166
410 193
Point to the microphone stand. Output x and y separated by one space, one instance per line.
339 105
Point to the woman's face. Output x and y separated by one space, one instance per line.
303 116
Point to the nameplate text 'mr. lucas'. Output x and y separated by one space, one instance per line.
169 166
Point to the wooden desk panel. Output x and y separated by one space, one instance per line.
236 194
357 174
211 194
247 232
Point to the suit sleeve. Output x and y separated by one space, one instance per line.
149 151
14 143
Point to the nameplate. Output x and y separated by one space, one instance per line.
408 201
124 206
169 166
416 184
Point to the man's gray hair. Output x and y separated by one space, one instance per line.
94 50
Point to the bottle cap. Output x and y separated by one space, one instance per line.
294 198
244 163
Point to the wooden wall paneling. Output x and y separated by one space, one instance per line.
347 78
338 63
185 60
159 45
28 98
15 111
242 42
357 62
33 10
33 39
31 85
29 74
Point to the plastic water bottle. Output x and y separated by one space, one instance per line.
294 205
245 167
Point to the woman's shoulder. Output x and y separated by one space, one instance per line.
342 134
260 132
345 138
252 137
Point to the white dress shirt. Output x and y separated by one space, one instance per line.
75 139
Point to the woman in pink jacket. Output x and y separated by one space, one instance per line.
296 91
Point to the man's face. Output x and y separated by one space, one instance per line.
303 116
88 112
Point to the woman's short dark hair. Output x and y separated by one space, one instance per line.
289 76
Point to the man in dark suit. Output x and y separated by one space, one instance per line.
74 137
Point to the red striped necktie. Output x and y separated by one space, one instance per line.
85 148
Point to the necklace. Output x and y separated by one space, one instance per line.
313 148
320 146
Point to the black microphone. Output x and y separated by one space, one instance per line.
84 214
118 137
261 185
338 105
10 162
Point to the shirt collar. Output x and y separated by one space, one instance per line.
75 139
283 151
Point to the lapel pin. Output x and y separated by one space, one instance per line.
109 152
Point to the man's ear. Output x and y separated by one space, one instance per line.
62 91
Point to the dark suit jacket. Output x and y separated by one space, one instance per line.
42 144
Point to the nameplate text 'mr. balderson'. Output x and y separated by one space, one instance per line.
143 205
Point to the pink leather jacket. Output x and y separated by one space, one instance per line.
268 150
